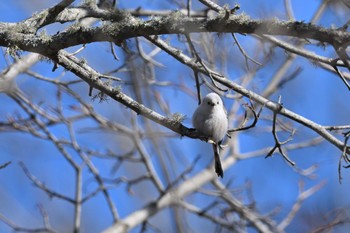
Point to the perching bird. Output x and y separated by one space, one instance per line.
210 119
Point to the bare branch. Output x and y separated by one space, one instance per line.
138 148
43 187
341 76
15 227
2 166
303 195
254 218
212 5
302 52
114 32
289 10
246 56
201 62
47 16
256 116
251 95
169 198
278 143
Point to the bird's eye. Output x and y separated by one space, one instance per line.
217 102
208 102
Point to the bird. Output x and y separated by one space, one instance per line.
210 120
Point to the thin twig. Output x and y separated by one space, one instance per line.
147 57
278 144
189 6
246 56
43 187
344 155
341 76
115 56
255 115
212 5
23 229
5 164
341 51
337 127
215 219
45 216
184 173
289 10
303 195
200 61
196 76
78 50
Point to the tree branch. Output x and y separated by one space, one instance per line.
176 23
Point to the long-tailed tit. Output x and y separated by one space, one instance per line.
210 119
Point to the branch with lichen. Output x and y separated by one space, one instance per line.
122 28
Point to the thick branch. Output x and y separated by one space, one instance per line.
47 16
176 23
93 78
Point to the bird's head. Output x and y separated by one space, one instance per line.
211 100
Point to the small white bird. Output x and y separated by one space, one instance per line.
210 119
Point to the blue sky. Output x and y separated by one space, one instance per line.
314 93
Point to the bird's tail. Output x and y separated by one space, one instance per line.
218 167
